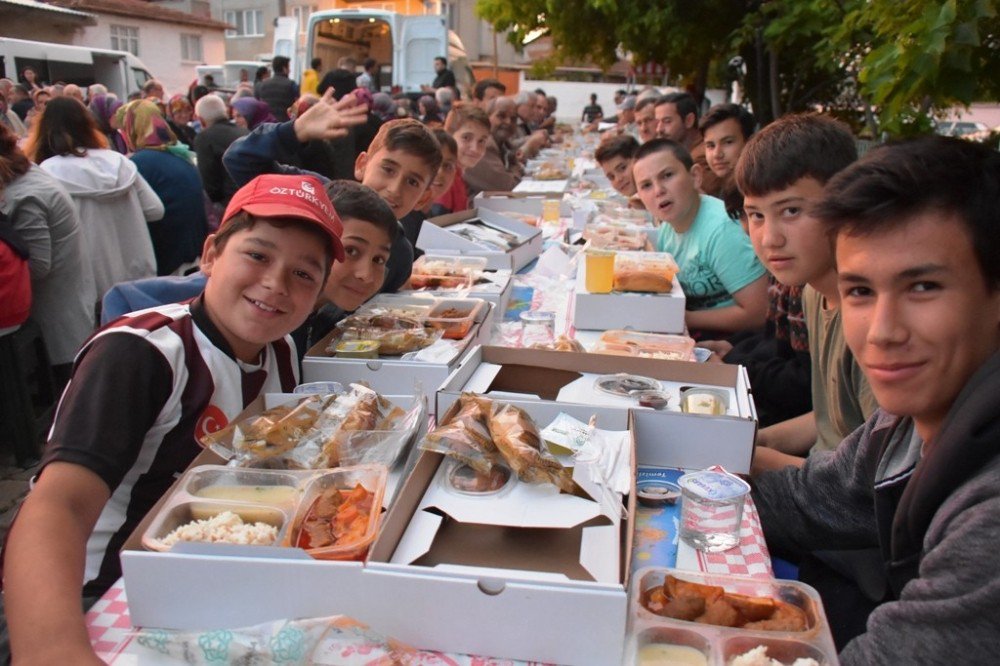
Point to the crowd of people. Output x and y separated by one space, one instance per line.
861 296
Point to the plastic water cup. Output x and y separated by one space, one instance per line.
711 510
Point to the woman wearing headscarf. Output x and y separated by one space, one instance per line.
250 112
430 114
364 134
103 107
113 200
384 107
179 115
168 168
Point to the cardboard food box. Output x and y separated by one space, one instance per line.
394 375
653 313
203 586
435 238
494 286
493 588
669 438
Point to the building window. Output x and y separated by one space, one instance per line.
301 15
248 22
191 48
125 38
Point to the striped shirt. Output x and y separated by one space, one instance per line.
144 389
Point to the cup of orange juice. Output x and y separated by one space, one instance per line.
599 271
550 210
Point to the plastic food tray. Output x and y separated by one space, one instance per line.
188 501
721 645
455 316
653 345
446 272
373 478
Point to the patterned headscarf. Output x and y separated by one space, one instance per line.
364 96
144 127
178 103
103 107
254 110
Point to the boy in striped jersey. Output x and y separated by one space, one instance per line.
144 388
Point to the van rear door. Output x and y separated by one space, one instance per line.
286 41
424 38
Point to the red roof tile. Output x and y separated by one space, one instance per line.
140 9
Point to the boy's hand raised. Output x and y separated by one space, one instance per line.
330 119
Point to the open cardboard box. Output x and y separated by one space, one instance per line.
651 313
435 238
524 591
558 379
202 586
391 375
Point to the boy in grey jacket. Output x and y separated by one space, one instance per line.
918 260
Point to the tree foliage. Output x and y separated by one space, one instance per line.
901 60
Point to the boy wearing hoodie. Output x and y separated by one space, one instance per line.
918 261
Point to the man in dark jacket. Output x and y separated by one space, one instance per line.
278 92
918 261
211 144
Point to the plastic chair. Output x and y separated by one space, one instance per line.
27 391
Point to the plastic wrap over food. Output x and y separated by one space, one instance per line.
321 431
520 444
465 435
337 639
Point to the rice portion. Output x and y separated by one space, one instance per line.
758 657
226 527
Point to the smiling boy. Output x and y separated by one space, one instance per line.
724 283
144 389
615 156
782 173
918 255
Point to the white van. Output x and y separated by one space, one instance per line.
227 75
404 45
120 71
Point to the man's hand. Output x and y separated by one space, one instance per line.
330 119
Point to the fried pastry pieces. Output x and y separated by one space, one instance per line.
517 438
710 604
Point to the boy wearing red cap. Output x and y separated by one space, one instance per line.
144 389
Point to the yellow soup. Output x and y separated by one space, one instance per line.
660 654
271 495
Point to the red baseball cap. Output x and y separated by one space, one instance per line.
302 197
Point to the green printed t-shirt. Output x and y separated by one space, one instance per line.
715 256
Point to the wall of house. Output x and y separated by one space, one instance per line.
159 47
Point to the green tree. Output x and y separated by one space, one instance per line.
901 60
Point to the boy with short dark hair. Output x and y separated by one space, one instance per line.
676 117
615 156
144 389
782 173
726 128
724 283
399 164
918 254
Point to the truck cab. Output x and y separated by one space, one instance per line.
404 46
